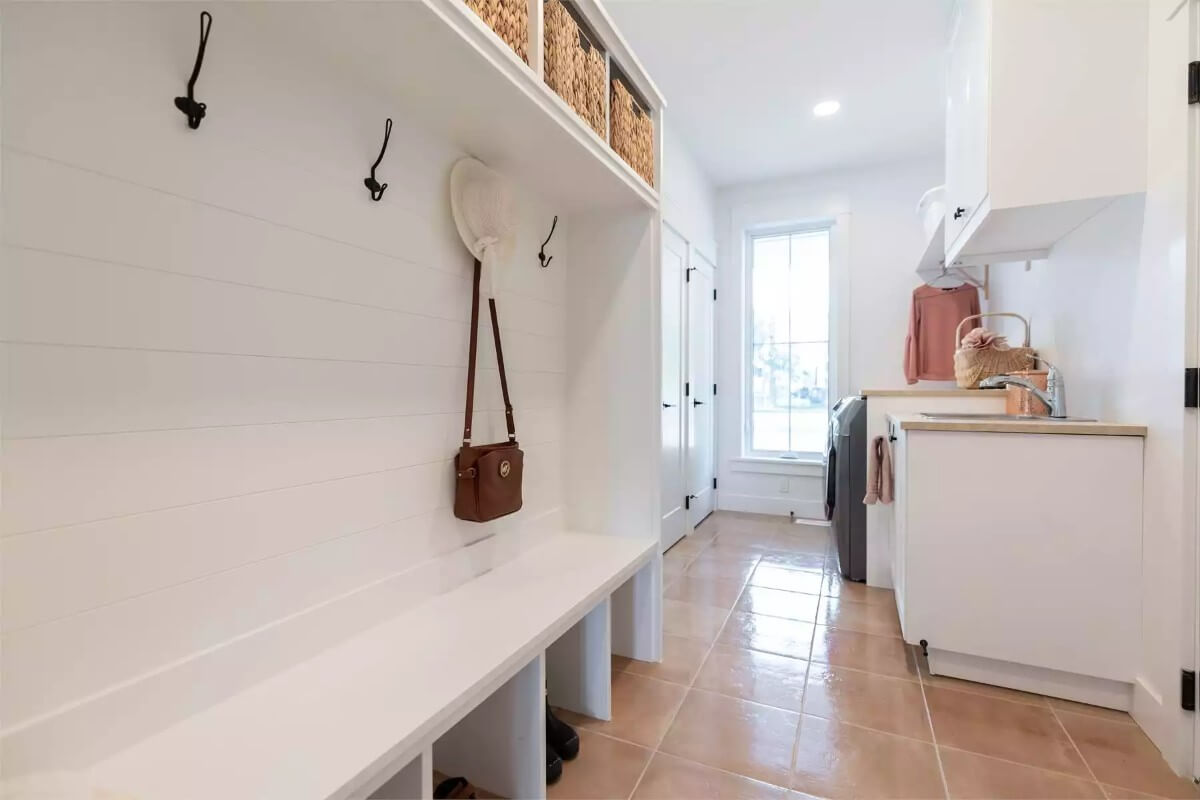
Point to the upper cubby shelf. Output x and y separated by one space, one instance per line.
448 69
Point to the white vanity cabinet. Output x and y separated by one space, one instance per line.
1017 555
1045 120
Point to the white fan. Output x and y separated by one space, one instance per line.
485 213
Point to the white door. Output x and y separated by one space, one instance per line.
674 269
700 392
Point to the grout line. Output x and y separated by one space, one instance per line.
937 751
1075 747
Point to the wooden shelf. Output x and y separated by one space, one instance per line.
446 68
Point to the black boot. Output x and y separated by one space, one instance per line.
561 736
553 765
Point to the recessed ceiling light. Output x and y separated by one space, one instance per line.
826 108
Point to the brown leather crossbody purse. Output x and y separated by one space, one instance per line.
489 475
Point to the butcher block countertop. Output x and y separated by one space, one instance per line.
930 392
917 422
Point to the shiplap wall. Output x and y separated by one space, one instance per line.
234 383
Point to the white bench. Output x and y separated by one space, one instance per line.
456 683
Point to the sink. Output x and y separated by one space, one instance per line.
951 416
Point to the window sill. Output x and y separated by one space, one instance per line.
778 466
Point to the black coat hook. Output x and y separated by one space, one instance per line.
377 188
542 252
188 105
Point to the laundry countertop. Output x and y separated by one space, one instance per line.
918 422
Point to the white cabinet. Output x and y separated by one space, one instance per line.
1017 558
1045 120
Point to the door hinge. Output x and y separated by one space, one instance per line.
687 502
687 389
1187 689
714 483
714 295
687 274
1194 83
1191 388
714 390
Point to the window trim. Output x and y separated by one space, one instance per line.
839 335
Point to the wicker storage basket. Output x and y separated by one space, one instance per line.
574 65
972 366
509 19
632 134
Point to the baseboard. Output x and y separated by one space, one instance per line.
782 506
1022 677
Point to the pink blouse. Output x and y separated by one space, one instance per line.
929 347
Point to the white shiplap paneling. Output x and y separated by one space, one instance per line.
233 383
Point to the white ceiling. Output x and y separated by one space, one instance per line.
741 78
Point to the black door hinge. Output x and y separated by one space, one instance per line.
1191 388
687 274
714 295
714 390
1194 83
1187 689
687 389
714 483
687 502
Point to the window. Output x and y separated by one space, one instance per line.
788 361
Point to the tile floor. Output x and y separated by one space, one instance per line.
779 680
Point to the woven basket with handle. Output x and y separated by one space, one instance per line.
574 65
972 366
632 134
509 19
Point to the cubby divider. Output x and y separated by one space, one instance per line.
579 665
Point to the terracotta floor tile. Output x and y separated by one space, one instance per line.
778 603
691 545
692 621
642 710
803 539
844 761
1122 755
765 678
943 682
811 562
789 580
671 778
734 735
1092 711
891 705
837 586
879 654
786 637
1013 731
715 592
708 566
605 768
880 620
974 777
681 661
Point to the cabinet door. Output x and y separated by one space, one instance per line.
967 115
899 522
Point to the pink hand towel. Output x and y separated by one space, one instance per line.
879 472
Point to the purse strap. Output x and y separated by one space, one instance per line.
509 422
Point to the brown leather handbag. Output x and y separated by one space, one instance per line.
489 475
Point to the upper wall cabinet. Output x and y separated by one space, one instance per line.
1045 120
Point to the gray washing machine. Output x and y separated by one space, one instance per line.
845 470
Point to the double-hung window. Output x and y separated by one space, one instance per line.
787 380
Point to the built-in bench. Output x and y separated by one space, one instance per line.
455 683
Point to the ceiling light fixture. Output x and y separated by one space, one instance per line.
826 108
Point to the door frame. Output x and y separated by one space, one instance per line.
673 240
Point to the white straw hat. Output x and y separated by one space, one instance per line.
485 213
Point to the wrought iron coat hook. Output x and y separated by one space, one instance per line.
377 188
542 252
188 105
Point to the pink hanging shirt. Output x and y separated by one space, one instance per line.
929 347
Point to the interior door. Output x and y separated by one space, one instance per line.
700 395
674 270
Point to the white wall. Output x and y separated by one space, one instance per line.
1114 307
234 383
884 245
688 197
